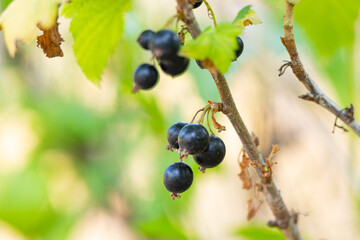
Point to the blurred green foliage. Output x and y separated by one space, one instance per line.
328 30
253 232
330 25
4 4
101 145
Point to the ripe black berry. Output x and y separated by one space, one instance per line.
240 47
178 177
145 39
165 45
175 66
197 4
173 133
213 155
193 138
145 77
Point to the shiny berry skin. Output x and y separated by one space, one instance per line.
145 77
145 39
197 4
240 47
173 133
165 45
193 138
213 155
174 66
178 177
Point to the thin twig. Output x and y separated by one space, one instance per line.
315 94
271 192
196 114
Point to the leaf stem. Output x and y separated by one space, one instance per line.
211 13
208 121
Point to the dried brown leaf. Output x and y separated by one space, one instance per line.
50 41
217 125
252 208
244 174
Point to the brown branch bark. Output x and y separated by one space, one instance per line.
284 219
315 94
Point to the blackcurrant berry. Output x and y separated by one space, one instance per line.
193 138
178 177
173 133
197 4
145 77
165 45
213 155
145 39
175 66
240 48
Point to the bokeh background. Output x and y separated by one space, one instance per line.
79 161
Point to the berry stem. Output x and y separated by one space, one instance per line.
169 22
211 13
206 109
208 121
192 120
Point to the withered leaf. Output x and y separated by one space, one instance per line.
50 41
252 208
244 171
20 19
245 178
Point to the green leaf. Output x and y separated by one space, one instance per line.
218 45
256 233
97 27
242 13
71 9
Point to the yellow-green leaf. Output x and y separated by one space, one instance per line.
218 45
20 19
242 13
251 18
96 27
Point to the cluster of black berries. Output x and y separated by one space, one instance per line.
164 46
191 139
